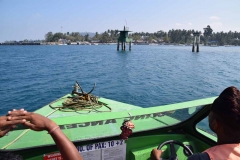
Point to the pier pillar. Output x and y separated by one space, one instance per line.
193 47
196 41
122 46
130 46
118 46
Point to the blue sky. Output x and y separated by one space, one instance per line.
31 19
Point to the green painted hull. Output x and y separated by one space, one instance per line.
152 126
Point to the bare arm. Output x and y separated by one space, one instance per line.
38 122
66 147
7 123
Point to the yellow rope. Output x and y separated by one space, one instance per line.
25 131
15 139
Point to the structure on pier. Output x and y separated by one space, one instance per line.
196 40
123 39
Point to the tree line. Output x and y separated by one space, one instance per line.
105 37
172 36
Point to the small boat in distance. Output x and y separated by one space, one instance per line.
153 44
214 45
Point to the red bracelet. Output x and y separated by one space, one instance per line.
52 130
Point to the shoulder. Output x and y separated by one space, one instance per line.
199 156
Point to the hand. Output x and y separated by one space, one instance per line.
36 121
7 123
156 154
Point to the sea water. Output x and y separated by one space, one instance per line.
33 76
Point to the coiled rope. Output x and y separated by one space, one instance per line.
82 103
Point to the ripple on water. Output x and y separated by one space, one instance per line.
33 76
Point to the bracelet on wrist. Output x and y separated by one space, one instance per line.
53 129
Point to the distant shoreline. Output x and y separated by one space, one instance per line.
87 43
19 43
50 44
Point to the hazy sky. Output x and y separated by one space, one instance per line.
32 19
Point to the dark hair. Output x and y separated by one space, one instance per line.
10 156
227 108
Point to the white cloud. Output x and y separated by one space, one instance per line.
214 17
216 26
178 24
236 29
189 23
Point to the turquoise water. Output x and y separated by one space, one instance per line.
33 76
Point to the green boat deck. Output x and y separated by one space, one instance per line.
100 129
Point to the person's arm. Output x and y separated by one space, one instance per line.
38 122
7 123
66 147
